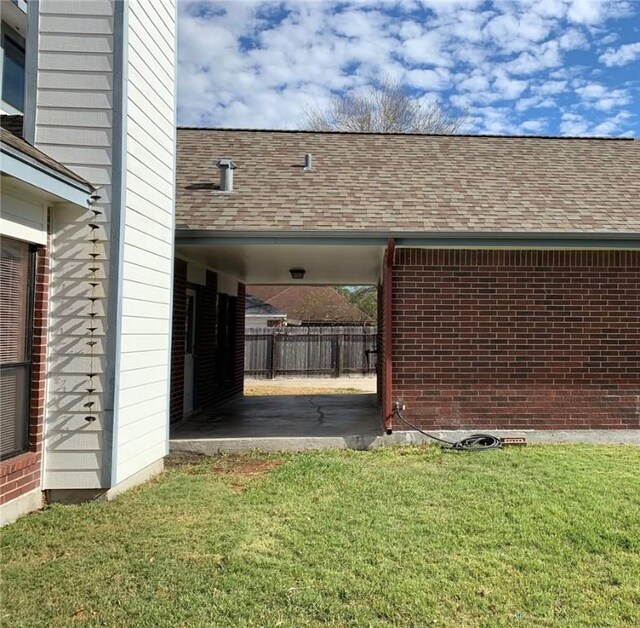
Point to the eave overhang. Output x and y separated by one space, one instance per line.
39 176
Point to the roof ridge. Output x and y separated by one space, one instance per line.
465 135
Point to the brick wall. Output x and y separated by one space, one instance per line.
379 357
22 474
235 386
178 339
239 348
205 341
517 339
209 389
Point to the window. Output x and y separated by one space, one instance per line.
16 298
12 69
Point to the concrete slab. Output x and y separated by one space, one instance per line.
304 422
286 416
299 423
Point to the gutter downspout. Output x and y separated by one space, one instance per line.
387 311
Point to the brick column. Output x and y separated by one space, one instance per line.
178 339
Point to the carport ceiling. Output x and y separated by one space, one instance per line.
330 264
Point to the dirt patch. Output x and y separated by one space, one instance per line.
243 466
184 459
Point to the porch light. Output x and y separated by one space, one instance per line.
297 273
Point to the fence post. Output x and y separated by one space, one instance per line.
335 351
272 361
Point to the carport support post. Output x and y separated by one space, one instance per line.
387 313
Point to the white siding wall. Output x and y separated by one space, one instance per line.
143 409
74 121
22 216
77 119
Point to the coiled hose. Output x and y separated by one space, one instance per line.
475 442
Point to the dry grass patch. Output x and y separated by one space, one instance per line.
265 390
242 466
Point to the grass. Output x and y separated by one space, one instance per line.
541 536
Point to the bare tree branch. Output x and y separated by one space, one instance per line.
383 108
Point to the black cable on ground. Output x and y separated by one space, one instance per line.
475 442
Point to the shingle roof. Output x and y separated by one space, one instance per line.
255 307
315 304
11 135
408 183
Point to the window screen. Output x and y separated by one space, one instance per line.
15 322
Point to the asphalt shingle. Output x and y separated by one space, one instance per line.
408 183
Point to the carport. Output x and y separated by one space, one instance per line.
229 420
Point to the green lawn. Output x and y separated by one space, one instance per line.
540 536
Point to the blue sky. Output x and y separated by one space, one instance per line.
534 67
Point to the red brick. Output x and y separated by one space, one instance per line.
517 339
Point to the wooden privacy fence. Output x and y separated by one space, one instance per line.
309 351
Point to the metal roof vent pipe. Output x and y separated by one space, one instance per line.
308 162
226 167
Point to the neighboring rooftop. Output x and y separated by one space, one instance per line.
310 304
256 307
11 136
408 183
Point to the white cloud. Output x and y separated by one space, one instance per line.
509 88
547 56
586 11
436 80
572 39
426 50
475 83
613 125
622 56
516 34
578 125
601 97
574 124
515 65
551 87
533 126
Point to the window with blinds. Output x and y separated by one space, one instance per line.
16 287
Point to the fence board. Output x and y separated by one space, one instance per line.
309 351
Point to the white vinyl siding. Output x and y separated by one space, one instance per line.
74 124
142 402
21 216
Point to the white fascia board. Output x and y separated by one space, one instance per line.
490 240
39 176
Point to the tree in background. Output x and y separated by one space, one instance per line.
365 298
385 107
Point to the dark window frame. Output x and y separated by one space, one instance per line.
28 351
18 43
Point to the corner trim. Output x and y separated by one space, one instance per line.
173 229
31 71
116 249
